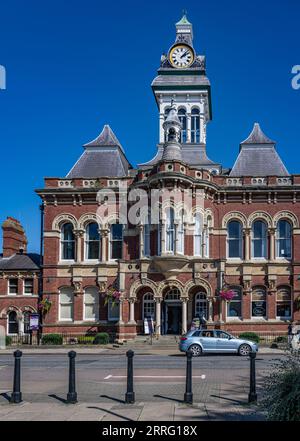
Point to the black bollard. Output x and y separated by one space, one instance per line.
72 394
252 397
129 396
188 396
16 396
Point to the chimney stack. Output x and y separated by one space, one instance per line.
14 238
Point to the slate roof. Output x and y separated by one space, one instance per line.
180 80
257 136
258 157
102 157
20 262
192 154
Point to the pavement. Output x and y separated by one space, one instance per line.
140 411
220 387
110 349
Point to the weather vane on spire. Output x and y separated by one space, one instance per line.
184 12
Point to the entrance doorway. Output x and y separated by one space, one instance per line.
171 318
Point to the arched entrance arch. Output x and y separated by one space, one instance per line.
171 311
200 300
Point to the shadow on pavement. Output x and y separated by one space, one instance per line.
112 398
112 413
6 396
62 400
228 399
168 398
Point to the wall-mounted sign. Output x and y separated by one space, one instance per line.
259 309
148 325
34 322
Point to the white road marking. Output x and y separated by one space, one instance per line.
154 376
108 376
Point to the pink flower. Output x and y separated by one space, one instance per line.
227 294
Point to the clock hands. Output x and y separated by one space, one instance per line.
183 55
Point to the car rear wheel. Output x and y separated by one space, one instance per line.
195 350
244 350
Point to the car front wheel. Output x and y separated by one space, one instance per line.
244 350
195 350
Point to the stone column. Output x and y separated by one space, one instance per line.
184 316
221 310
78 235
161 130
272 243
247 243
202 129
203 242
210 309
131 311
176 237
104 236
163 238
188 127
120 312
157 316
141 237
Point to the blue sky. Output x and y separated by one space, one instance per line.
73 66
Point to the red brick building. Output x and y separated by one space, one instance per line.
19 280
170 260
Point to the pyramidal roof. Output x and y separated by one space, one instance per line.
105 138
102 157
183 20
258 157
257 136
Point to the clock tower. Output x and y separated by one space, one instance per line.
182 79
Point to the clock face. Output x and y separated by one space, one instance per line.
181 56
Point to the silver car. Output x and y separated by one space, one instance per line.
214 340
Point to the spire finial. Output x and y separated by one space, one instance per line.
184 12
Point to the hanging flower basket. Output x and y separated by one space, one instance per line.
112 295
227 294
44 306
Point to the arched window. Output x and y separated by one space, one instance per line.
92 241
173 294
198 235
148 306
180 232
170 230
234 307
201 305
116 241
284 303
259 302
13 323
26 322
259 239
195 126
66 304
235 239
91 304
67 242
113 310
284 239
182 119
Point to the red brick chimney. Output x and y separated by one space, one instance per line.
14 238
